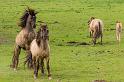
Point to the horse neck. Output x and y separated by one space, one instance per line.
28 26
44 44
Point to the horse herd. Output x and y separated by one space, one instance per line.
36 43
96 29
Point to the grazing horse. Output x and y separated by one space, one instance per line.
40 50
95 29
25 36
118 30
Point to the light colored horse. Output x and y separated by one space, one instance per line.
96 29
118 30
40 50
25 36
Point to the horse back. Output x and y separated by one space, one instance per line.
96 24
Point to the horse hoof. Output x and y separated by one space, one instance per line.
49 78
35 77
15 69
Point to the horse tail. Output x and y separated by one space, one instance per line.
99 29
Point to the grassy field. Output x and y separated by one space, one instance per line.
67 22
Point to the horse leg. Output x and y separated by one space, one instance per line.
34 65
15 58
93 38
29 57
37 65
101 38
48 68
94 41
35 68
42 66
90 34
28 60
119 37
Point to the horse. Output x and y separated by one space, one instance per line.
25 36
95 29
118 30
40 50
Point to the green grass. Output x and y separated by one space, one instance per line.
67 21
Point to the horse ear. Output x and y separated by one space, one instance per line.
36 12
88 21
28 12
28 9
46 26
92 18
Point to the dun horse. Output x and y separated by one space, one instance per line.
25 36
118 30
95 29
40 50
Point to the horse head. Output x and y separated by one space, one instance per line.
31 17
42 34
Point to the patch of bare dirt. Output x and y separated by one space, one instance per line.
74 43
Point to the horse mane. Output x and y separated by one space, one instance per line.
23 19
